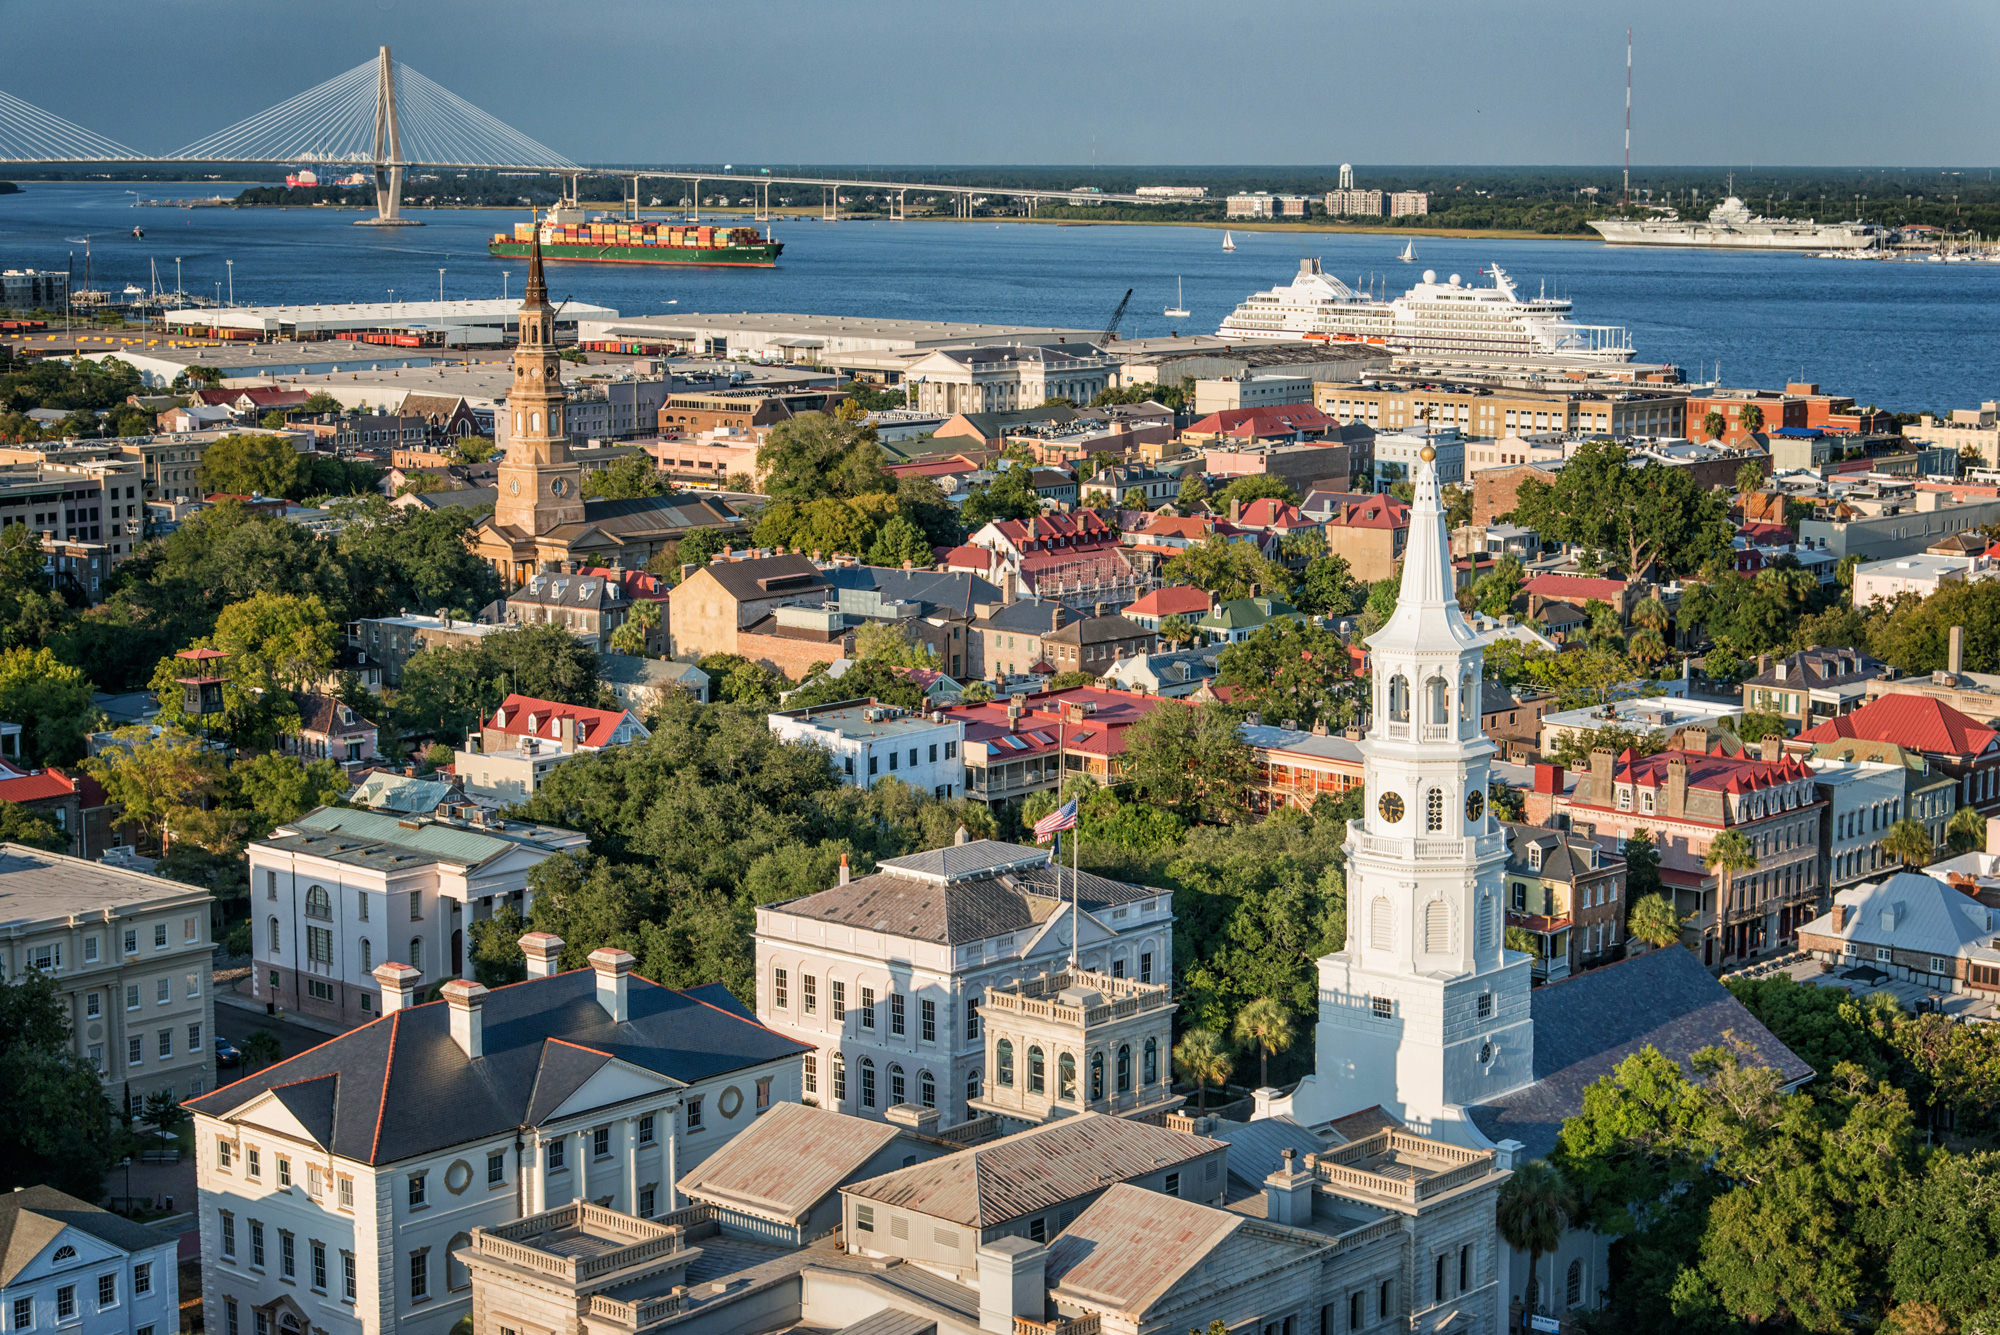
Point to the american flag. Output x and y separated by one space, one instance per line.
1063 818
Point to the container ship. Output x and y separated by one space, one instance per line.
1448 318
627 241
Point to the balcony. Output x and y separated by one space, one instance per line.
579 1242
1400 1167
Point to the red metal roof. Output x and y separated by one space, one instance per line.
1172 601
968 558
1248 423
1383 511
1915 721
1043 730
1576 589
35 786
525 716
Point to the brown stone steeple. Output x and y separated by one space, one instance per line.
540 488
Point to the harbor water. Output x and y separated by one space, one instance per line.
1904 337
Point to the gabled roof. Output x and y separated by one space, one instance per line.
525 716
1586 1024
1565 856
788 1160
1383 511
405 1088
1281 420
1003 1180
1909 720
1578 589
1133 1246
322 714
34 785
1818 667
32 1217
1097 630
766 577
1174 600
1916 913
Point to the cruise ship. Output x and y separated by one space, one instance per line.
1448 318
1732 226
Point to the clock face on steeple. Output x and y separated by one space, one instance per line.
1475 805
1391 807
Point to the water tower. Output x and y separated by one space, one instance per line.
201 696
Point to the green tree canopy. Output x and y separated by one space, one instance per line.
813 456
1292 669
59 1125
1228 569
630 478
1255 487
1645 514
254 465
1189 760
51 700
1011 495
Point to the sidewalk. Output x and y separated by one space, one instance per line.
237 995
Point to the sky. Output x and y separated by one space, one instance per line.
1737 83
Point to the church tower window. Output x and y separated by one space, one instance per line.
1381 924
1399 699
1439 702
1437 927
1434 809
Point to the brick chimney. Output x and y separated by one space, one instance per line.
1955 655
1840 912
1694 737
1772 749
1602 767
1677 785
465 1001
544 952
613 966
845 874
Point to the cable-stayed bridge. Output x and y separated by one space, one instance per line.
385 116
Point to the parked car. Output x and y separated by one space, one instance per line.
227 1053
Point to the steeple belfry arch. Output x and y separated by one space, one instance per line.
540 486
1424 1011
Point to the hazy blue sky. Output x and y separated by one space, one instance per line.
1726 82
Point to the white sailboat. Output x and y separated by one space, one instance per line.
1177 310
1409 255
1228 242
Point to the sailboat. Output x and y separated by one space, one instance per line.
1177 310
1228 242
1409 255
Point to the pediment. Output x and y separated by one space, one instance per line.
614 1082
267 1113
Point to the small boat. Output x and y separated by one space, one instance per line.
1409 255
1177 310
1228 242
139 232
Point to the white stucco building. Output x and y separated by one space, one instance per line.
870 742
882 975
334 1187
66 1265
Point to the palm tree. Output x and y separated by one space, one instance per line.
1651 613
1728 854
1536 1207
1907 841
1203 1057
261 1048
1749 478
1646 646
1654 920
1751 419
1269 1025
1713 424
1966 830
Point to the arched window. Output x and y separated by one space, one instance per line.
1096 1075
1573 1290
897 1089
1152 1072
456 1276
1003 1056
926 1089
867 1082
1066 1077
318 904
1124 1068
1438 706
972 1087
1437 926
417 953
1468 687
276 944
534 421
1399 699
367 955
1037 1081
1381 924
1434 809
839 1078
1488 916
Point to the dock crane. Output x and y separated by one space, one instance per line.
1110 333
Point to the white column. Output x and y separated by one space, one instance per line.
666 1127
631 1197
534 1185
579 1174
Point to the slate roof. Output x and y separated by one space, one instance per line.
941 896
952 591
31 1217
464 498
1027 616
1565 856
1098 630
400 1087
768 577
1588 1023
1003 1180
788 1160
1819 667
321 714
1909 720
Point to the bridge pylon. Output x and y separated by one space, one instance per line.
388 152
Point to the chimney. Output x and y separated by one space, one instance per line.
1007 593
1772 749
1694 737
910 1115
1601 781
544 952
1056 617
1288 1193
845 874
1677 786
1013 712
399 985
1101 609
963 836
1955 656
1011 1283
1840 912
612 965
1235 510
466 1000
1763 664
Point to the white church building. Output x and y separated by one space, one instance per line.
1425 1014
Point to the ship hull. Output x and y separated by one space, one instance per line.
762 256
1705 238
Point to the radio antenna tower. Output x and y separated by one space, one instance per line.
1625 194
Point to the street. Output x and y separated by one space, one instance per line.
236 1024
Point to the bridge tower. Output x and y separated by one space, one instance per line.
389 164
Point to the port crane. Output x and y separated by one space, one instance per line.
1117 318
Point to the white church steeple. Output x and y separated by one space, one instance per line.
1424 1012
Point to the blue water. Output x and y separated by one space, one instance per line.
1907 337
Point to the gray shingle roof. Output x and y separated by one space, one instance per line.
767 577
31 1218
404 1088
1002 1180
1586 1024
949 591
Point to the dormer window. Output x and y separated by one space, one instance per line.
1624 798
1534 857
346 715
